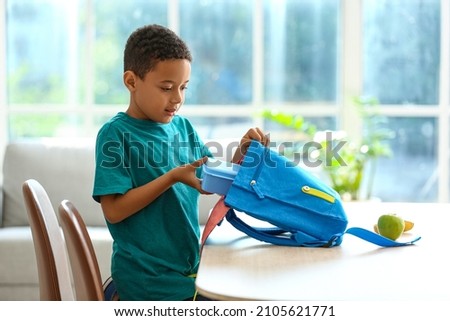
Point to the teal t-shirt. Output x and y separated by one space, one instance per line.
156 250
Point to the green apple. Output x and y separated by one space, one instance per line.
391 226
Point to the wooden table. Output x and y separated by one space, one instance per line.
236 267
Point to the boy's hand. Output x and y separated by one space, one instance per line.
117 207
186 174
252 134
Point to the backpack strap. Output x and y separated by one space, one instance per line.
274 235
277 236
376 238
215 218
270 235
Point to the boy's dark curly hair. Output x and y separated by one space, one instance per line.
150 44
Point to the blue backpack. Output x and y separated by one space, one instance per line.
303 210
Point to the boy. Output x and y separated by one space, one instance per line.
148 161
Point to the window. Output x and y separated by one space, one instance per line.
401 69
221 45
64 71
301 50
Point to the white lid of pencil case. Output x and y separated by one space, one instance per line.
217 176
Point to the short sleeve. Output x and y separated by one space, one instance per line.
111 175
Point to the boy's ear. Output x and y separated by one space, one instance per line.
129 79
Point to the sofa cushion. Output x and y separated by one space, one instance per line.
65 168
18 256
18 268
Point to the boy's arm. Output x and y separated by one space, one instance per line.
252 134
117 207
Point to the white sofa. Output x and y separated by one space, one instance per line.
65 168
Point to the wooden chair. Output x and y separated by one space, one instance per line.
82 257
51 256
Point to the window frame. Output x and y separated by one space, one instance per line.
350 73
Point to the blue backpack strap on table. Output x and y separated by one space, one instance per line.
302 209
377 238
279 236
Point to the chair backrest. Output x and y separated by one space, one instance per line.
83 260
51 256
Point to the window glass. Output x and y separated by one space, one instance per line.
46 125
401 51
281 134
411 173
115 20
219 34
225 127
41 61
301 50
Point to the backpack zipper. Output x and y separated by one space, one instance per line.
318 193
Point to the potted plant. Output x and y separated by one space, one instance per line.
355 160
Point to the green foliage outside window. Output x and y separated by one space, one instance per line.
355 159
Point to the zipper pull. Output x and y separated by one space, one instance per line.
318 193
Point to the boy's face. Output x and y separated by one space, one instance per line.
161 93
